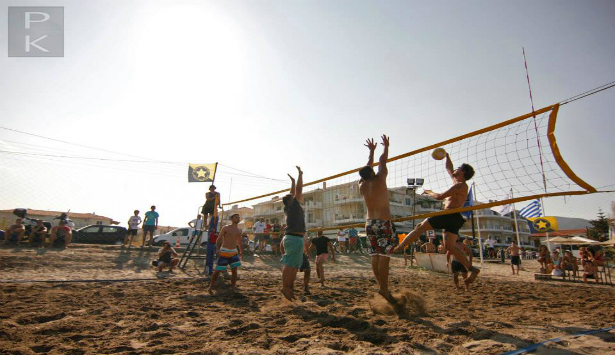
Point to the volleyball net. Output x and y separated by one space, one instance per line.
519 155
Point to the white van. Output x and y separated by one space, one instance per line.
183 234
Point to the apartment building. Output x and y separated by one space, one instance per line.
341 205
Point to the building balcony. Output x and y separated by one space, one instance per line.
313 204
315 223
345 200
348 219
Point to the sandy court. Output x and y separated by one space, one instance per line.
175 314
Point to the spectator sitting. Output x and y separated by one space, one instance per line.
245 243
589 271
585 254
544 259
441 249
167 257
15 232
428 247
557 264
569 263
59 233
38 235
599 258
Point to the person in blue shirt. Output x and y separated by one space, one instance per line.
150 224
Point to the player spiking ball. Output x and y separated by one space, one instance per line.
453 198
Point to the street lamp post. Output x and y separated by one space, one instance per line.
413 184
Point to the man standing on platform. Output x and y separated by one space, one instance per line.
210 204
378 227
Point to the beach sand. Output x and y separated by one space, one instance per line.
169 314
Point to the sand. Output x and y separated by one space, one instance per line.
168 314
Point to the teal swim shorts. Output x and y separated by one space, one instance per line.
293 251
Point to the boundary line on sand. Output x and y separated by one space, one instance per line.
555 340
103 280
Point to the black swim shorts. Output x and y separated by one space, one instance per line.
449 222
456 267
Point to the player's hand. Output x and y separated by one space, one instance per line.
370 144
299 170
427 192
292 178
385 140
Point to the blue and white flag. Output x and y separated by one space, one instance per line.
532 210
469 202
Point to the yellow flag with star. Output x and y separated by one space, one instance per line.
543 224
201 172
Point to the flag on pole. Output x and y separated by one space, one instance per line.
542 224
201 172
532 210
504 209
469 202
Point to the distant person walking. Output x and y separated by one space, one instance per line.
230 251
133 227
515 258
323 247
150 225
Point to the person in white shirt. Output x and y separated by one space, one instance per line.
490 244
259 229
133 227
342 240
197 225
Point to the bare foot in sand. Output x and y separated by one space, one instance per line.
473 273
387 296
210 290
288 293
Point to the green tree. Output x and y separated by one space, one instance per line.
600 227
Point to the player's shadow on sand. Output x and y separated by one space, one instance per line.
362 329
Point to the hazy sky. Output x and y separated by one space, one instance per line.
262 86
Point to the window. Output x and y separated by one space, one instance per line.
109 229
92 229
409 202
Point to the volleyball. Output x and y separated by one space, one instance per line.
438 154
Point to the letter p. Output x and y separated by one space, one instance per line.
29 19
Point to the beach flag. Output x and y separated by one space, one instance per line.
201 172
532 210
469 202
542 224
504 209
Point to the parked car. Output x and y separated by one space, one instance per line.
183 234
99 234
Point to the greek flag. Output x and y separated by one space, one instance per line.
532 210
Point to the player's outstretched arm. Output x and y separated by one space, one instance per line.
299 188
382 162
449 166
292 185
369 143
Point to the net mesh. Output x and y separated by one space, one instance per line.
514 155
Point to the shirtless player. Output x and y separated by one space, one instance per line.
454 197
378 226
226 246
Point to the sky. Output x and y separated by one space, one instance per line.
146 87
